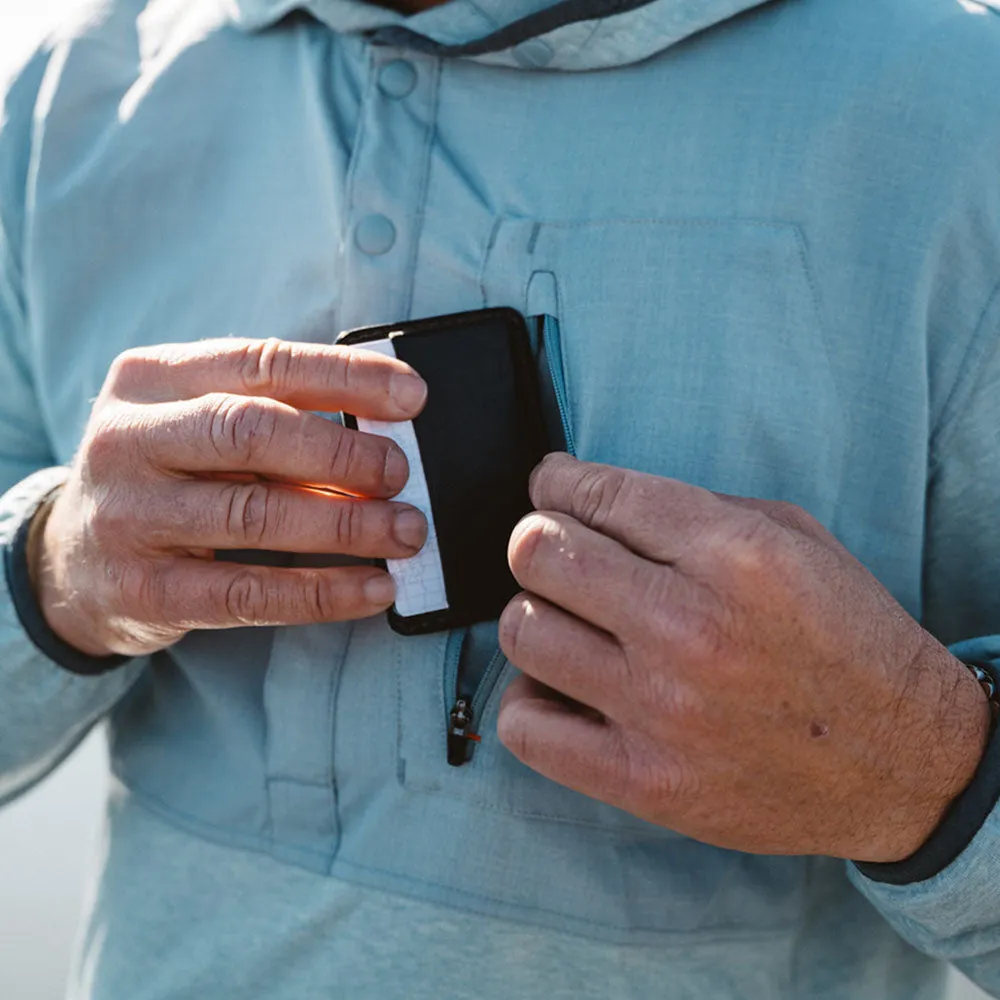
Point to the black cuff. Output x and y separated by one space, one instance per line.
33 620
961 822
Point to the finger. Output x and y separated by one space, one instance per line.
567 655
267 515
196 594
307 376
591 575
654 517
223 433
566 744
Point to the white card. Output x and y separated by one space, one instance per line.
420 579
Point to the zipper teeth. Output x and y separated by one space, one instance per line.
564 416
553 356
485 686
456 640
452 657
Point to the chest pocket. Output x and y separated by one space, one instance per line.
691 348
684 349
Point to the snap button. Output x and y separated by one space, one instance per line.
375 235
534 53
397 79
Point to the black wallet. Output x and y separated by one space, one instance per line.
484 428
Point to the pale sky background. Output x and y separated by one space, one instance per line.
50 838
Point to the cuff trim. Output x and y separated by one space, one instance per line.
961 823
29 612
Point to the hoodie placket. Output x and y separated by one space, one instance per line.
387 187
384 197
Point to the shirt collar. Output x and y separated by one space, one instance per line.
531 34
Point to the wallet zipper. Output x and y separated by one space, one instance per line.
463 705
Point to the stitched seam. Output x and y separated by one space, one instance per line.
251 842
488 256
706 935
968 379
698 223
470 799
425 173
334 697
222 834
359 133
397 669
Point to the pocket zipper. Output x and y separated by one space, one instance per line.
548 346
464 706
468 704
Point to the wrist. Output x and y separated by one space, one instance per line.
60 611
940 740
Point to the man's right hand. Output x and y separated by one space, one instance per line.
198 447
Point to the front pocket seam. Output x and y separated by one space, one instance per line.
480 802
694 223
708 934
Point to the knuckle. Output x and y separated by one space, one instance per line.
600 494
794 517
240 427
252 512
264 365
650 589
656 785
684 622
785 510
510 628
649 781
694 634
129 370
148 590
750 547
107 439
348 526
113 439
346 456
245 598
319 600
109 519
344 367
130 589
514 734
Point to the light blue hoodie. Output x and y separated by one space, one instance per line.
770 234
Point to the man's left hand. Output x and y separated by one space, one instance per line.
724 667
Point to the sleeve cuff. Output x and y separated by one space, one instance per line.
967 813
26 604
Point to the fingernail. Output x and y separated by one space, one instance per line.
408 391
396 470
410 528
520 530
380 590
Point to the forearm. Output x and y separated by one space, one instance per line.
45 709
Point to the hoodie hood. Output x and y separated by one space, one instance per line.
527 34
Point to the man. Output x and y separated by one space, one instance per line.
733 764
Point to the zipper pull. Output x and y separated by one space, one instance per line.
459 736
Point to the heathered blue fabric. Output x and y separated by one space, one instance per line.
770 234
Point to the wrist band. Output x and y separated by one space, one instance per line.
29 611
965 816
983 672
